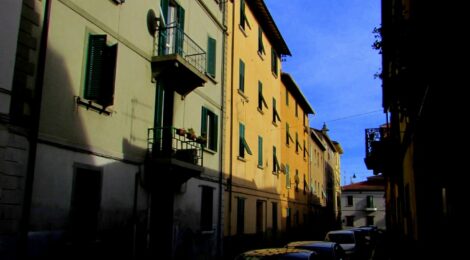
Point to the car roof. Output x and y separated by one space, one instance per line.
310 243
347 231
275 251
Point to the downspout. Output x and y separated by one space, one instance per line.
222 150
33 133
229 181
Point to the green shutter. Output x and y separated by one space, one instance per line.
204 121
287 133
107 91
162 34
260 95
260 41
241 147
287 176
287 97
260 151
211 50
214 135
242 14
179 41
164 5
95 66
242 76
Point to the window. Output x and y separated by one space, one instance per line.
297 143
100 70
206 208
287 176
276 167
275 114
209 128
260 224
274 61
287 97
261 100
211 56
288 219
350 221
86 200
240 215
296 109
369 220
305 184
350 201
274 217
305 150
370 201
242 14
288 136
305 119
297 180
260 151
243 146
260 41
241 77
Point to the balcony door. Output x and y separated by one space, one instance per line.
171 39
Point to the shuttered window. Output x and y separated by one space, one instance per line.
276 166
260 151
275 114
100 71
274 61
209 128
287 176
241 77
260 41
243 145
211 56
261 99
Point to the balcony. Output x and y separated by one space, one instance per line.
378 149
180 62
172 157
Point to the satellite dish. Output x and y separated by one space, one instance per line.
152 22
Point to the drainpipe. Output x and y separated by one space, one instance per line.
220 234
229 181
33 133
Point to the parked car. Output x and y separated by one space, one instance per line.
277 254
345 238
325 250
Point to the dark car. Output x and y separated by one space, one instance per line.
277 254
325 250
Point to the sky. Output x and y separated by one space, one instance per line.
334 65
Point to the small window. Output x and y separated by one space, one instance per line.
242 14
276 167
297 143
274 65
350 221
296 109
209 128
287 176
241 76
297 180
211 56
287 97
369 220
260 151
370 201
305 184
243 145
275 114
206 208
288 136
260 41
261 99
100 71
350 201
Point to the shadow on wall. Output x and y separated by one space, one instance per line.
84 204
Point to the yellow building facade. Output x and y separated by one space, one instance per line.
253 124
296 178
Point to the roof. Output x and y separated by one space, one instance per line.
317 139
338 147
375 183
326 138
264 18
294 89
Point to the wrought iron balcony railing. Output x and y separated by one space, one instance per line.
378 148
168 143
172 40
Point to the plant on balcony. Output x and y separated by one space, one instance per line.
191 134
180 131
202 139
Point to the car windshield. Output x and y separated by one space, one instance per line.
342 238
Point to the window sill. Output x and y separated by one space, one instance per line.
241 93
261 111
260 167
208 150
241 159
274 124
243 31
91 105
211 77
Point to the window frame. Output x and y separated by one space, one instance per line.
209 122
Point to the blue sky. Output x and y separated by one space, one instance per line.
334 65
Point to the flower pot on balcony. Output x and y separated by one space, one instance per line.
202 140
180 131
190 134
